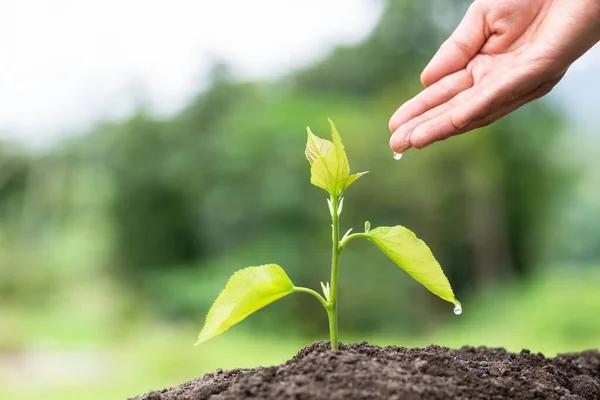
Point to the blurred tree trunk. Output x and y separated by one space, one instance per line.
486 228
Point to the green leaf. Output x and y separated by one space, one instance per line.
412 255
247 291
329 164
316 147
342 165
354 177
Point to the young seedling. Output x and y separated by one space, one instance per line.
252 288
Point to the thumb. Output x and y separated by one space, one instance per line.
456 52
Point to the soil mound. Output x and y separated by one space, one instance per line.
363 371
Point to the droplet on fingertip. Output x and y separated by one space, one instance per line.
397 156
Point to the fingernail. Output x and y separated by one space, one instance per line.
400 141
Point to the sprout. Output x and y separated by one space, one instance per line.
252 288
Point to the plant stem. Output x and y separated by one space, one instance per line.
310 291
350 237
335 259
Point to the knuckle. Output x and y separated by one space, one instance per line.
463 48
458 121
418 144
443 89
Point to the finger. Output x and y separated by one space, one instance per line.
431 97
477 102
537 93
442 128
456 52
400 140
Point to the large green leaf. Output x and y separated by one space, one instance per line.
247 291
329 164
412 255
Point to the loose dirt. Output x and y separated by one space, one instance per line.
363 371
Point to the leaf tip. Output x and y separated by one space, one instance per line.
334 131
200 340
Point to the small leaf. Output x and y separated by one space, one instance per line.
326 290
346 235
340 206
330 205
329 164
412 255
247 291
367 226
316 147
354 177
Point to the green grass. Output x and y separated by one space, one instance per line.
156 359
557 312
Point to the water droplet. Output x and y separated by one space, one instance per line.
397 156
457 309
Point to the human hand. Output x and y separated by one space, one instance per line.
503 54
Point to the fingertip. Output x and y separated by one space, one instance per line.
395 144
438 67
432 131
426 76
400 141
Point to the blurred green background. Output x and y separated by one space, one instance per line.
116 238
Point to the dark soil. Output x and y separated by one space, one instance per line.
363 371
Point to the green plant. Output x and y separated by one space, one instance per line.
254 287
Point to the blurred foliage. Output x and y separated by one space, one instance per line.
153 355
168 208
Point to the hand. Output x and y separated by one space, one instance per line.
504 54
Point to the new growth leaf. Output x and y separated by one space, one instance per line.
329 169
